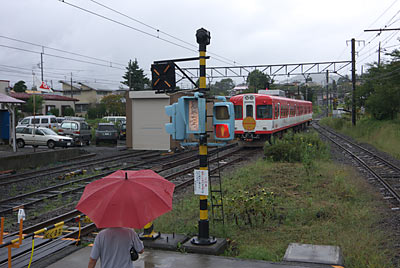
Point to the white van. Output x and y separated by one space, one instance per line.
49 121
117 120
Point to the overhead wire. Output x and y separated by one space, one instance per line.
60 50
135 29
61 57
158 30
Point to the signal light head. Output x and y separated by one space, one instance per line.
222 131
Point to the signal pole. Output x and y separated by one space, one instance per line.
203 39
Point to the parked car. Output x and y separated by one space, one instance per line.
117 120
37 136
122 132
60 119
106 132
78 130
48 121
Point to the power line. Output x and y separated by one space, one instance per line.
54 74
61 57
136 29
60 50
384 12
158 30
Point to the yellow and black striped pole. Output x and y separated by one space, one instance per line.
203 39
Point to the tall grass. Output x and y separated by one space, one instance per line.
384 135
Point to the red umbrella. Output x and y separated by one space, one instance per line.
127 199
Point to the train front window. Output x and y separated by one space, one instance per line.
264 111
238 111
249 110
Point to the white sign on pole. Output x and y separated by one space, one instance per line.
21 214
200 182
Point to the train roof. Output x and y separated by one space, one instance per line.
265 96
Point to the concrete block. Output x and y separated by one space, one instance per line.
313 254
214 249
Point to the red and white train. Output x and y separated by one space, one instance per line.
260 116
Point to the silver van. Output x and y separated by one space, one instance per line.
48 121
79 130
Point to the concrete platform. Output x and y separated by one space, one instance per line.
169 259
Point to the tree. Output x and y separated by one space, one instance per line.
97 111
114 104
222 87
258 80
20 86
28 106
134 77
380 91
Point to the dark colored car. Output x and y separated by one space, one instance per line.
106 132
122 132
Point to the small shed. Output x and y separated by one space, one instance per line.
10 104
146 118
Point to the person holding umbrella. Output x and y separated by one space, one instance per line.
119 202
113 246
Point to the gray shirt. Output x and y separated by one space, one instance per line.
112 245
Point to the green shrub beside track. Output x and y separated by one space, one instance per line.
269 205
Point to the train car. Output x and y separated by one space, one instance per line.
260 116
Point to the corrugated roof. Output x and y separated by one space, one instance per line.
25 96
7 99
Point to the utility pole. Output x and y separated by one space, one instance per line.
41 65
379 54
327 93
72 94
353 80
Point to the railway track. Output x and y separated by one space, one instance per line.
219 158
160 163
68 167
380 170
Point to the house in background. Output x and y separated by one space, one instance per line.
88 94
50 101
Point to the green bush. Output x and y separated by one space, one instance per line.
292 147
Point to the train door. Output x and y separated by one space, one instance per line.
249 122
275 123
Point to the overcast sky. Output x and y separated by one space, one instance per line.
247 32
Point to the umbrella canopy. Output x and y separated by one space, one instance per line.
127 199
